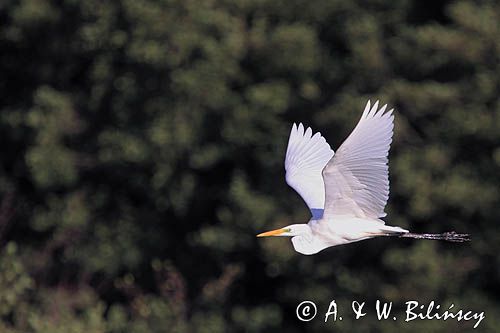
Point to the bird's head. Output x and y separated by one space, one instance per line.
290 231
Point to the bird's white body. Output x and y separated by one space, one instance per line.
346 191
339 230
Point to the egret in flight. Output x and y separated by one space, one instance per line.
345 191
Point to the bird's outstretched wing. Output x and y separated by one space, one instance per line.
306 156
357 177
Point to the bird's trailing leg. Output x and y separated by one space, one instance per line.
450 236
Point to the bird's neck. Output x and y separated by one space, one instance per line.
304 230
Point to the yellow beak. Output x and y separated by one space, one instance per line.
276 232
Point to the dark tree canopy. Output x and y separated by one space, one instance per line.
143 145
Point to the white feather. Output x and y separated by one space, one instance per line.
357 177
306 156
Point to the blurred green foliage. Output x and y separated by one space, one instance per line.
143 145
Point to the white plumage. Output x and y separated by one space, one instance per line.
352 185
306 156
357 178
346 191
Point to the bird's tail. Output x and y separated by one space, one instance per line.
450 236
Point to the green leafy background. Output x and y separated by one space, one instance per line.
143 146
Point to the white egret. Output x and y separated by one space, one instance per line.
346 191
